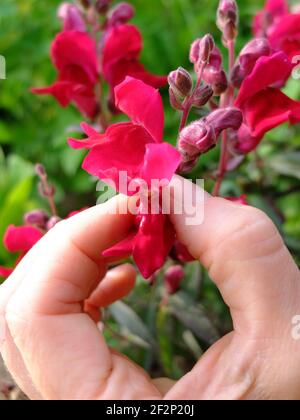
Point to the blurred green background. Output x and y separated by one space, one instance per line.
34 129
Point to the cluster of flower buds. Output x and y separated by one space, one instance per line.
181 87
202 135
227 20
213 72
247 59
173 278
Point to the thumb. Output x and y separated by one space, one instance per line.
245 257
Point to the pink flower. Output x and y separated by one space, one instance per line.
74 56
136 147
263 104
19 240
122 48
281 27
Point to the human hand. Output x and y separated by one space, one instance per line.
259 281
55 351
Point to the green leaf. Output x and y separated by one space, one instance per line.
130 321
286 164
193 317
164 333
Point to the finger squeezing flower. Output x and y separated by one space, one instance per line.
136 148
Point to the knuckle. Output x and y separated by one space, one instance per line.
250 234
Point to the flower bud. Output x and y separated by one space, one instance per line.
195 139
217 79
202 135
248 57
225 118
194 51
121 14
202 95
40 170
53 222
227 11
175 101
173 278
227 19
102 6
71 17
36 218
206 47
181 82
201 49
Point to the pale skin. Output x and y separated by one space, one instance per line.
49 309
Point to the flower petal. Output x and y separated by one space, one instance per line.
66 91
268 71
94 138
5 272
123 149
161 162
74 48
153 243
21 239
143 104
268 109
123 42
122 250
62 92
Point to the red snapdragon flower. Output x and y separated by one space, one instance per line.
281 27
263 104
19 240
120 58
22 238
74 56
136 147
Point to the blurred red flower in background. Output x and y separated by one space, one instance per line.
121 57
74 56
280 26
263 104
19 240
